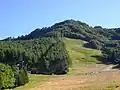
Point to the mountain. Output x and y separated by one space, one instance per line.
48 51
96 36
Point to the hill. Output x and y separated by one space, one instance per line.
96 37
74 29
83 74
60 48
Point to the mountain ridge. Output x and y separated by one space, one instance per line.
72 29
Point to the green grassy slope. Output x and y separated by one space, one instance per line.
80 54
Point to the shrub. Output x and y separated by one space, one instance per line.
7 79
26 76
0 81
22 77
93 44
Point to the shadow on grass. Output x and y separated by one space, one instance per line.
106 62
102 60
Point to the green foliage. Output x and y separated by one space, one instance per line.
94 45
74 29
0 81
111 52
46 55
7 78
22 77
26 76
55 60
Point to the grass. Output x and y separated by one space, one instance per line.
108 81
99 84
80 54
35 80
81 57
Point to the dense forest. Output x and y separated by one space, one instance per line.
43 51
46 55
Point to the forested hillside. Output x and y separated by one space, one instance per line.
47 55
96 36
43 51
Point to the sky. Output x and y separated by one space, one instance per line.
20 17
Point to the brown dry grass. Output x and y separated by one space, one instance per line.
93 79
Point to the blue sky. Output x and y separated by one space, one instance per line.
19 17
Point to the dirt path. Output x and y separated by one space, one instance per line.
75 81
